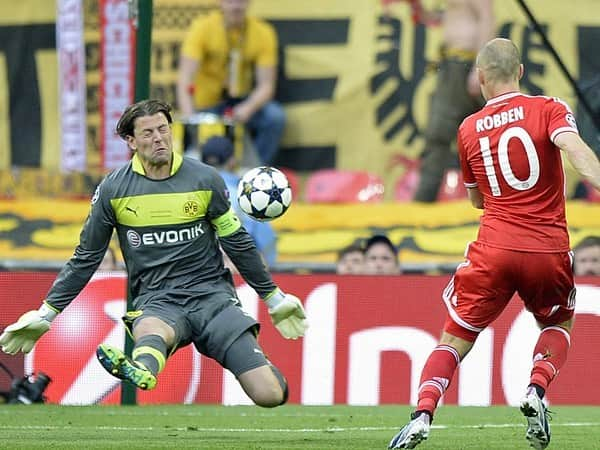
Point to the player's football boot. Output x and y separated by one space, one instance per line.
534 410
121 366
414 432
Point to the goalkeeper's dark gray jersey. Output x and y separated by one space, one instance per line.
167 231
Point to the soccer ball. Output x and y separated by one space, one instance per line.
264 193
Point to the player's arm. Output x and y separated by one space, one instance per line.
419 13
486 20
94 239
262 93
185 84
286 310
265 75
475 197
485 23
473 192
95 236
237 243
189 64
581 156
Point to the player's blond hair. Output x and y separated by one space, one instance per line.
499 60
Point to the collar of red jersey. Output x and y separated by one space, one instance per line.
503 97
138 167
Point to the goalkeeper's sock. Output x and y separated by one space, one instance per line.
151 352
549 355
436 377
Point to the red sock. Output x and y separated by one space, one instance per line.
436 376
549 355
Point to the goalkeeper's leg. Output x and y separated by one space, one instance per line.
261 380
149 355
150 351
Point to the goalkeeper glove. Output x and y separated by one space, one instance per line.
287 314
24 333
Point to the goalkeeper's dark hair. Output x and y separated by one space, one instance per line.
140 109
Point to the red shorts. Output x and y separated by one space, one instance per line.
484 284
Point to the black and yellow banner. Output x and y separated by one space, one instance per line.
29 123
355 86
39 230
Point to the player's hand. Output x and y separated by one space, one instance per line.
22 335
287 315
242 112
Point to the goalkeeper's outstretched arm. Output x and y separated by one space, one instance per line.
286 310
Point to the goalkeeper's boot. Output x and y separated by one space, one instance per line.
121 366
414 432
534 410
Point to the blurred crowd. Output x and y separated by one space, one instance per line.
375 255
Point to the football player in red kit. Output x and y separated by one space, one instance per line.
511 163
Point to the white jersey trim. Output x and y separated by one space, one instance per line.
447 295
502 98
562 130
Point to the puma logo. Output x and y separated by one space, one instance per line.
131 210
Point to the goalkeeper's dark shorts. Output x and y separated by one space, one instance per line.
211 321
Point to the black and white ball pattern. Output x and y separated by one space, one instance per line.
264 193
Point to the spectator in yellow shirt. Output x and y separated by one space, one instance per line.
228 63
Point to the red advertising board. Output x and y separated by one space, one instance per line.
367 342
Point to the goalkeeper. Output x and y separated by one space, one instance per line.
171 213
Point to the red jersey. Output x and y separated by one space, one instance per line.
507 150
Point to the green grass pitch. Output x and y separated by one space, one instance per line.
287 427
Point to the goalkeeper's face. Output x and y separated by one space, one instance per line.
152 140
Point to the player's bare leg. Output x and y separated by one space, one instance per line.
264 387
